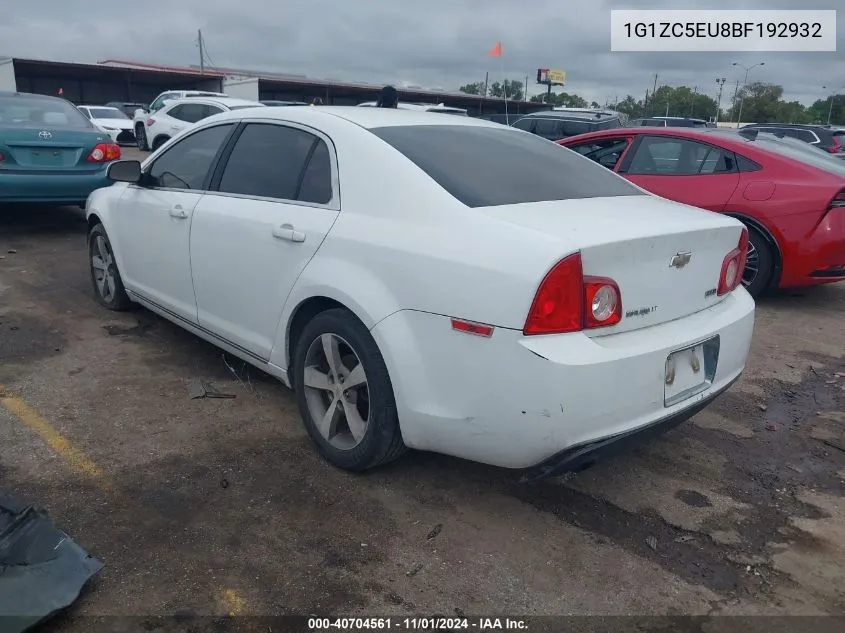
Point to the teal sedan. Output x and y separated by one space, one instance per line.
49 151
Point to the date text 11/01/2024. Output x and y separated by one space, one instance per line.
723 29
416 624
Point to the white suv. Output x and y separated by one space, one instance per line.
157 104
175 116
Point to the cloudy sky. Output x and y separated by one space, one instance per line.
431 43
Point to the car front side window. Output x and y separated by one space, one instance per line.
186 164
673 156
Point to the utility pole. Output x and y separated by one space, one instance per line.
653 90
202 51
736 92
692 101
486 80
525 94
721 84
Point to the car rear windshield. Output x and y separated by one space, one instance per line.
492 166
814 158
23 111
106 113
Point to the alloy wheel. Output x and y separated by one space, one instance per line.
102 263
752 265
336 391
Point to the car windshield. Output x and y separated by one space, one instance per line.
490 166
818 159
25 111
106 113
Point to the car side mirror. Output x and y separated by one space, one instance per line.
124 171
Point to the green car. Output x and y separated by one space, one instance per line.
49 151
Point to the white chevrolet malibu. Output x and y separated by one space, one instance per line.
439 283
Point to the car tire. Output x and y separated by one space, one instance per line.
760 265
331 413
159 141
105 278
141 138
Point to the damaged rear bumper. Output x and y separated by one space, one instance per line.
581 457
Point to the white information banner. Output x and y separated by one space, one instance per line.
710 31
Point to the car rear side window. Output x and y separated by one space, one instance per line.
490 166
523 124
269 161
571 128
189 112
185 164
549 128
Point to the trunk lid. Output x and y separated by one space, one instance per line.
666 257
49 148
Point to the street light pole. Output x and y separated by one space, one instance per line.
744 84
832 99
721 84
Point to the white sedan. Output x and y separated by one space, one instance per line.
112 121
438 283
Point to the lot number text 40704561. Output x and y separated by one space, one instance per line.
417 624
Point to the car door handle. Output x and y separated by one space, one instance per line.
287 232
178 212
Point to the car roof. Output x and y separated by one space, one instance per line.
700 133
800 126
367 118
575 115
224 101
8 93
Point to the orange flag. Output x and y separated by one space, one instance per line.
496 51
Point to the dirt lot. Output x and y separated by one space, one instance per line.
216 506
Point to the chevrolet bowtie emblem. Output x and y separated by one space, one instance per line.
679 259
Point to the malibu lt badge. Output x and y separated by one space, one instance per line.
680 259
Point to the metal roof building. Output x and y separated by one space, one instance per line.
122 80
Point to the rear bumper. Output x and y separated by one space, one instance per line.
578 458
63 187
515 401
822 258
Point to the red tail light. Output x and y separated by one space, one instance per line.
150 122
836 147
104 152
567 301
838 200
733 266
2 158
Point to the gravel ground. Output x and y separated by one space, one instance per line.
219 506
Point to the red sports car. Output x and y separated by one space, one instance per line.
790 196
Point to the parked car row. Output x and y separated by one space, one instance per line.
372 259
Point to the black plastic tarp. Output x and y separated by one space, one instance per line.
42 570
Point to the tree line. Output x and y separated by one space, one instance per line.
757 102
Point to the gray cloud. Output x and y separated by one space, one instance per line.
436 43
